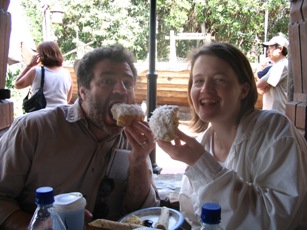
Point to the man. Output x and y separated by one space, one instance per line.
263 69
80 148
273 85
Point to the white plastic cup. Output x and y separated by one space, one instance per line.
70 207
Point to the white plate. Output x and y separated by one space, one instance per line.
176 219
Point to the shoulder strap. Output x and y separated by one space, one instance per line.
43 77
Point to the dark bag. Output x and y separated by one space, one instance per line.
36 101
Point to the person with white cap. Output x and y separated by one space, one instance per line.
274 84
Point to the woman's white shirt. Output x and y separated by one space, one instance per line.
264 182
56 87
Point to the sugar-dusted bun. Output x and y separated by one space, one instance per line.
125 114
164 122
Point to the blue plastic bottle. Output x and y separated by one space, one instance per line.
45 216
211 216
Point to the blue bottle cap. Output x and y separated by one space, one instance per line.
211 213
44 196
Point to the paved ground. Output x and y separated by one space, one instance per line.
168 165
168 181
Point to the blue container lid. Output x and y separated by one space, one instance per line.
211 213
44 196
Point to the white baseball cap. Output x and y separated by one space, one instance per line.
279 40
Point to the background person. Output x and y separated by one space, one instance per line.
263 68
252 162
274 85
79 147
58 83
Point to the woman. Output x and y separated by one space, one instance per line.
252 162
58 84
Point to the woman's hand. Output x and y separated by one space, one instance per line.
27 76
34 61
184 148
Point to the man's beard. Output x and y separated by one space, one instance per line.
96 115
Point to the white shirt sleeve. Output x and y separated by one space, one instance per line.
277 72
264 186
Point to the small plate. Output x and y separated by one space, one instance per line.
176 219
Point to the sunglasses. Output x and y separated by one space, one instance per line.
101 209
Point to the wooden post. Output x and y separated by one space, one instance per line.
6 107
296 110
5 31
172 47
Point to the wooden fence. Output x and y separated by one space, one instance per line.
171 86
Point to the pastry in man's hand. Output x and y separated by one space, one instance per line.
125 114
164 122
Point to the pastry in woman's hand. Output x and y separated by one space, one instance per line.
164 122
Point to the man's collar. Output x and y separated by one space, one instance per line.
75 113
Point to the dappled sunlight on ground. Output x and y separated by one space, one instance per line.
164 161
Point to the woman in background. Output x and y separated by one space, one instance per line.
252 162
58 83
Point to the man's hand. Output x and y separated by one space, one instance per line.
262 86
140 183
141 139
17 221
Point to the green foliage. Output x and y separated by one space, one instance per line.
17 95
171 15
34 13
11 78
242 22
102 22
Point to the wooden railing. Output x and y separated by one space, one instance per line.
171 86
